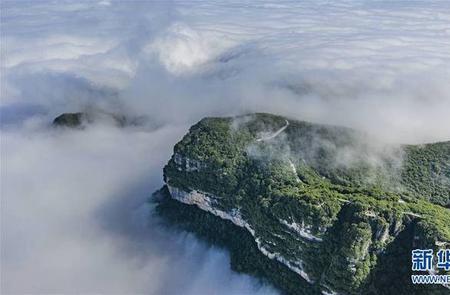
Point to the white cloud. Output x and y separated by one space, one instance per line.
182 49
343 62
381 66
74 219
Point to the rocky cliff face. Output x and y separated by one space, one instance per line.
336 225
208 203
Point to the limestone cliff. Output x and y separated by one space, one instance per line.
338 222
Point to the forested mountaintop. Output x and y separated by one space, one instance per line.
83 118
337 155
332 210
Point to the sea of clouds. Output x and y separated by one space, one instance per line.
73 212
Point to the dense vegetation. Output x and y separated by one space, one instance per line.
427 172
81 119
357 198
69 119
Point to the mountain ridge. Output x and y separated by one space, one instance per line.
303 208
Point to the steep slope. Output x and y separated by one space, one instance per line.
324 202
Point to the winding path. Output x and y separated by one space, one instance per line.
276 133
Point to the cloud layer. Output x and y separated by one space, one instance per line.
75 220
72 202
375 65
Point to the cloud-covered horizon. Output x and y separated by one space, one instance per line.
378 66
69 199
